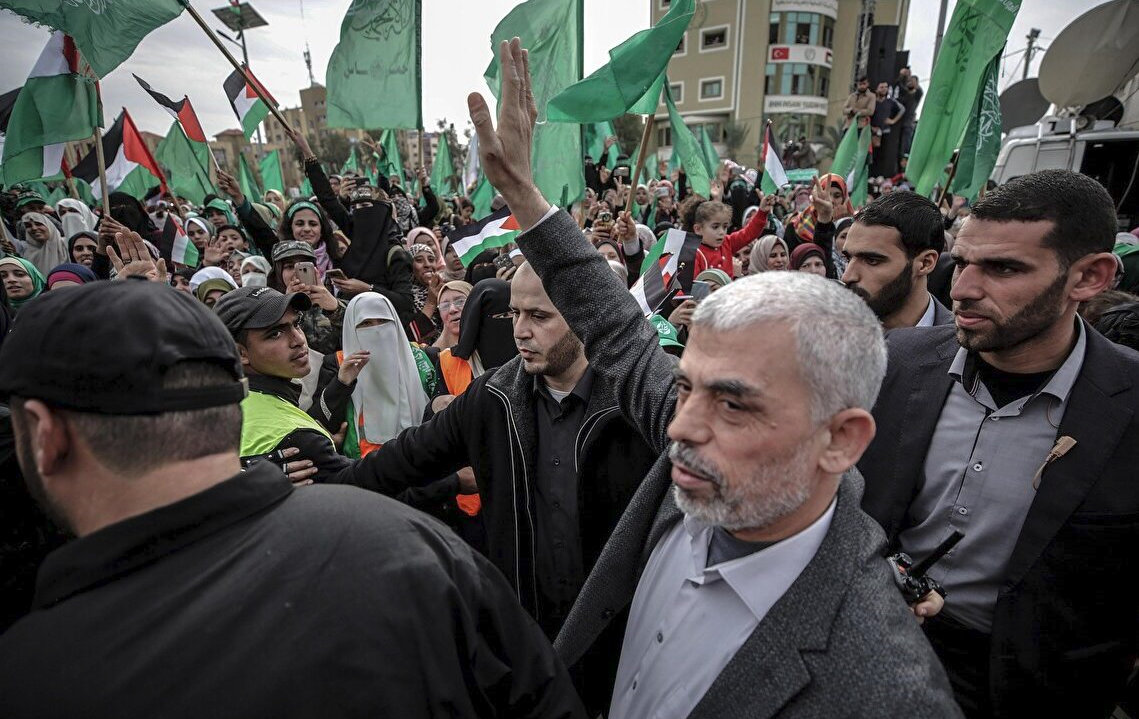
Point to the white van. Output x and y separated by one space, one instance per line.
1102 151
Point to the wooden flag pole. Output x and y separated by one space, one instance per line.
72 190
236 65
101 161
640 162
949 180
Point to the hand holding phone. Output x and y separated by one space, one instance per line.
306 273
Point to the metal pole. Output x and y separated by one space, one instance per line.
940 33
1032 35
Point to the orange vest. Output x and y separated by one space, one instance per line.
456 372
366 447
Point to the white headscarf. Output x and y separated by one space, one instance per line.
255 279
52 252
389 395
82 219
210 273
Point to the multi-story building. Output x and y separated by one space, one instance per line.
744 62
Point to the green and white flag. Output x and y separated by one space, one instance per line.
632 71
373 76
844 155
595 136
857 183
552 32
442 178
106 32
57 104
711 155
247 105
271 174
482 196
493 231
391 164
687 150
977 34
246 180
982 141
186 163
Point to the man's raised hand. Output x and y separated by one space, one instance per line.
505 150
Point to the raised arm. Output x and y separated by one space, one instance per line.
619 342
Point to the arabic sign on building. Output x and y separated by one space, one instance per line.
791 104
810 54
822 7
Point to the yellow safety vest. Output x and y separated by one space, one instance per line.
267 419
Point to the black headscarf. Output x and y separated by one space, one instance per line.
481 267
480 330
127 210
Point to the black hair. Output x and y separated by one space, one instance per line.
863 78
285 228
1120 324
1081 211
916 219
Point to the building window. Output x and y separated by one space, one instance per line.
715 130
664 4
715 38
773 30
681 47
676 89
712 89
796 78
769 79
664 136
828 33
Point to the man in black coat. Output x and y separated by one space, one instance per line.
1019 428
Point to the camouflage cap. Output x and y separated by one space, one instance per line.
293 248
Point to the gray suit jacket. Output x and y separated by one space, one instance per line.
840 642
942 315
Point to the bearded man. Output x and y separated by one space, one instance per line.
891 249
1019 427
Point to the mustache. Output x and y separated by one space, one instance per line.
684 455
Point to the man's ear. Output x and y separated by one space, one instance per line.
244 353
850 432
1094 274
49 436
926 262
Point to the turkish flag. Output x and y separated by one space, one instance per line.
780 53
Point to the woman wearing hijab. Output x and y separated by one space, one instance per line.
830 201
306 222
75 216
255 271
841 230
768 253
425 286
211 273
22 281
70 274
275 199
43 245
808 257
82 247
716 279
452 264
486 336
212 290
452 298
394 382
200 232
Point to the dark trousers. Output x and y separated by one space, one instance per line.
964 653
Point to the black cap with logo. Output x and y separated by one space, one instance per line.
105 348
253 308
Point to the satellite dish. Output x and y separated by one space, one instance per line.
1022 104
1093 56
1109 108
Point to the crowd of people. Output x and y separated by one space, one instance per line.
228 468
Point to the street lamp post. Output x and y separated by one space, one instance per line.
239 17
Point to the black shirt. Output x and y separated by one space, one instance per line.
252 599
560 566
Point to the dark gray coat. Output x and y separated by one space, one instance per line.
840 642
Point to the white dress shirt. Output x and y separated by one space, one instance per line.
927 318
687 621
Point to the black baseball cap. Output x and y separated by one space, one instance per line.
105 348
251 308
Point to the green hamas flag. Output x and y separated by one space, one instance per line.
711 156
982 141
482 196
857 183
373 76
977 34
246 180
633 69
687 150
185 162
443 169
352 164
595 136
844 154
552 32
105 32
390 164
271 174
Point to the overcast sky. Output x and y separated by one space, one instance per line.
179 59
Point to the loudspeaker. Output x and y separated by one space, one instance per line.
881 61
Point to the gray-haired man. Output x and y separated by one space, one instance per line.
754 582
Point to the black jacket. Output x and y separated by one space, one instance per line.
1064 636
490 428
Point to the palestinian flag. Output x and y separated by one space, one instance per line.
774 176
668 266
130 166
58 103
493 231
175 245
182 111
248 107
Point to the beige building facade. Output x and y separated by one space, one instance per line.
744 62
